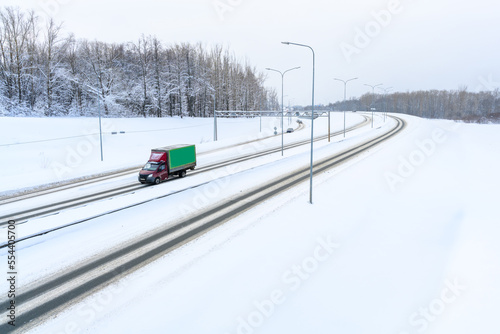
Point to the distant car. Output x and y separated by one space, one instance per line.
289 130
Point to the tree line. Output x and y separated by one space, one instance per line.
457 104
43 73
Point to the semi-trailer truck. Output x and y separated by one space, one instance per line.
167 161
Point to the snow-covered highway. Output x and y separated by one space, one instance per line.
52 201
54 293
376 226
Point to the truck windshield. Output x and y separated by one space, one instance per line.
150 166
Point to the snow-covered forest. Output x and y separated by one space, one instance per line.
45 72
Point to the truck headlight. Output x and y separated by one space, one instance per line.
150 175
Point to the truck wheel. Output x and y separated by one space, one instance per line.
182 173
157 180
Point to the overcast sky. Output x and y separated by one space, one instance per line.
406 44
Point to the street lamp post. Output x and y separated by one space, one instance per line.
215 121
282 107
289 112
373 94
260 118
385 90
345 89
312 116
96 92
100 130
328 125
260 113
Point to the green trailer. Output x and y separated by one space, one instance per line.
167 161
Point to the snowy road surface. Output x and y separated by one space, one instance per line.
401 240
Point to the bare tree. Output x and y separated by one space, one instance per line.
18 29
43 73
53 52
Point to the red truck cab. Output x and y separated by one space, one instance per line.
153 172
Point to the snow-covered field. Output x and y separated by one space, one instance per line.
402 239
41 150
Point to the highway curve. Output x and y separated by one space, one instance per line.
22 216
54 294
